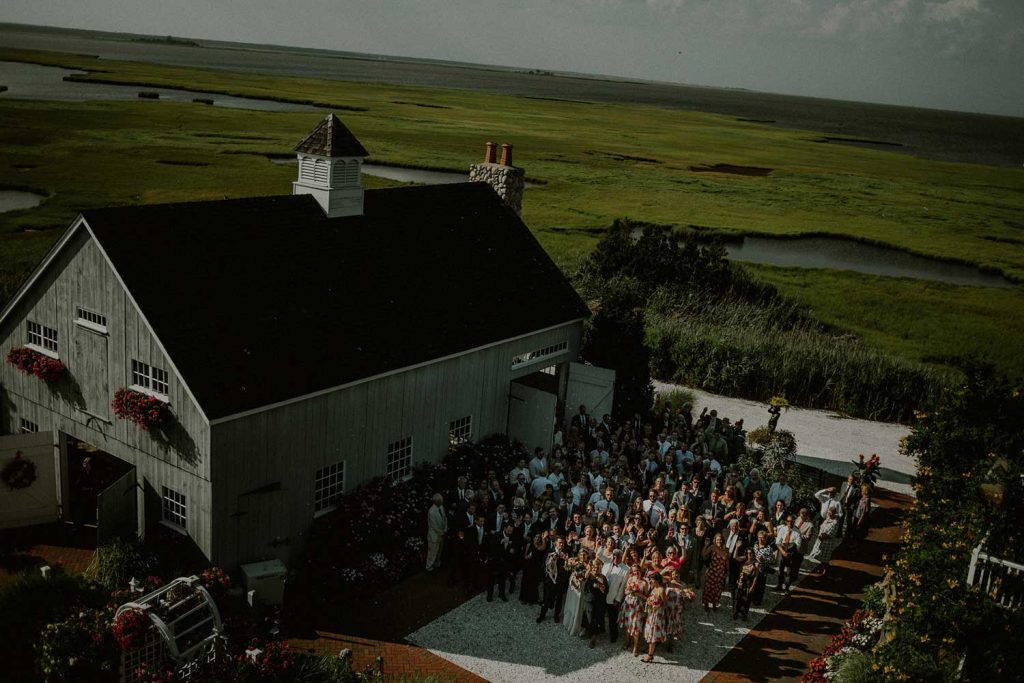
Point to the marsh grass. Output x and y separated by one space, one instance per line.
595 159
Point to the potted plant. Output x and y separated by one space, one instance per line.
34 363
144 410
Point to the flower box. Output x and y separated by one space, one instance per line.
34 363
142 409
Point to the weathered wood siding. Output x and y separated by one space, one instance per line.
265 462
99 364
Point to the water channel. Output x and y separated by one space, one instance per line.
845 254
16 200
35 82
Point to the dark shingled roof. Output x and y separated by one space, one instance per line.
265 299
332 139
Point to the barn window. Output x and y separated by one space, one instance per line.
90 319
330 484
531 356
461 430
175 511
42 338
399 464
149 379
28 426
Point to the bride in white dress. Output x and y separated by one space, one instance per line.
572 613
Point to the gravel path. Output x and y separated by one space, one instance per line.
502 643
824 439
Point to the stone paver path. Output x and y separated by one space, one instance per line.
824 439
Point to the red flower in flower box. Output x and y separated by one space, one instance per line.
142 409
34 363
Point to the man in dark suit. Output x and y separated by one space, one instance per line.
475 556
503 551
582 421
714 510
556 581
849 496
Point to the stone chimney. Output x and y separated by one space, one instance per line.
507 180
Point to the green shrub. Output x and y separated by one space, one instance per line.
853 667
874 599
27 605
119 562
78 648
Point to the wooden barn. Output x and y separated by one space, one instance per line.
228 368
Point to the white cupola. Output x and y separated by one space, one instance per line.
330 161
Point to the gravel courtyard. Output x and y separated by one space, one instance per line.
502 643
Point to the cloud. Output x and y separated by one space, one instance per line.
952 10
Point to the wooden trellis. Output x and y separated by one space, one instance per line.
184 624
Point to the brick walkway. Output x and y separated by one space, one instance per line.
53 544
800 627
383 620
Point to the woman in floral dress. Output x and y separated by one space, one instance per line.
675 594
716 556
656 626
828 539
764 555
631 615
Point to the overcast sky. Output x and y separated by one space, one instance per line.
950 54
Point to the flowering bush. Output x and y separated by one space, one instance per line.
34 363
144 410
216 581
867 472
387 542
129 629
76 648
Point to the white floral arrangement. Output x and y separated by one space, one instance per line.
351 574
414 543
379 560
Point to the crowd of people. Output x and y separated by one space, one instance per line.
622 523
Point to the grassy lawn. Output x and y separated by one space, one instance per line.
599 161
931 322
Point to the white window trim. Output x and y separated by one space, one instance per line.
149 375
149 392
163 510
469 437
344 480
40 347
44 351
404 477
91 326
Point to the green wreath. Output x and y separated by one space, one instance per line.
19 473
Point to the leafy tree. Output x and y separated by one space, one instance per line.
614 338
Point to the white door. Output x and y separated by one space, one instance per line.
116 510
90 352
531 416
592 387
37 503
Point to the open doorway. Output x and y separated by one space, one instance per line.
101 491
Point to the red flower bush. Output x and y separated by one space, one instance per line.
130 628
144 410
34 363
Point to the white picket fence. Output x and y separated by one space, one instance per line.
1000 579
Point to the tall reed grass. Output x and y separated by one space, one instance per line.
757 351
709 324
